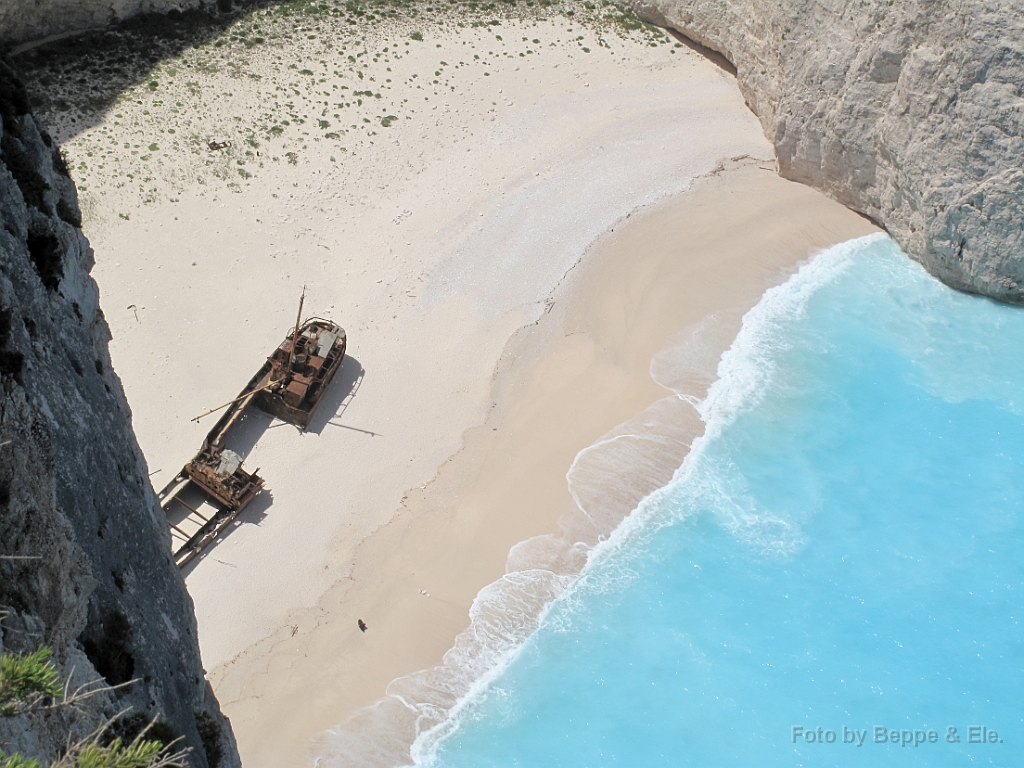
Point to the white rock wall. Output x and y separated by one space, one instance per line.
909 111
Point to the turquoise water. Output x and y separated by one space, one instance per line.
843 551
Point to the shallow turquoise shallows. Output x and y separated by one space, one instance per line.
834 578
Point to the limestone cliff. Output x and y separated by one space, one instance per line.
85 563
909 111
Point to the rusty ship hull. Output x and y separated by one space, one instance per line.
292 382
290 386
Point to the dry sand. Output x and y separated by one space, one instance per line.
507 255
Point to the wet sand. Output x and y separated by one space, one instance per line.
561 385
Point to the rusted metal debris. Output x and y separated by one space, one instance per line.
290 386
299 372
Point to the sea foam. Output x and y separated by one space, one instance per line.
622 486
837 555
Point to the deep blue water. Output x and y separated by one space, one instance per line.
843 551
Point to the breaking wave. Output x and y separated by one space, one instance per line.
622 488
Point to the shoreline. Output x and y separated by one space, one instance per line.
578 375
546 211
431 248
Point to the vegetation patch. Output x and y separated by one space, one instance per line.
209 736
137 725
159 82
25 678
30 683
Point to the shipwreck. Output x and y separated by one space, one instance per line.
289 386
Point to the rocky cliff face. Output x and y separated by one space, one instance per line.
85 563
909 111
22 20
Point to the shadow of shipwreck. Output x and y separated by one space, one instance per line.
343 390
253 514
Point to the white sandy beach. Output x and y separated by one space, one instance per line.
507 256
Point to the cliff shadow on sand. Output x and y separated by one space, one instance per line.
78 79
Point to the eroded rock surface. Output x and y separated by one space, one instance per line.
909 111
25 20
85 564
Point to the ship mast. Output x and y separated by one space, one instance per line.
298 322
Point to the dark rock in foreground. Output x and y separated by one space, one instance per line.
92 574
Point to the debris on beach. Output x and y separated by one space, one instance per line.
290 386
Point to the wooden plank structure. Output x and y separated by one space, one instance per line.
290 386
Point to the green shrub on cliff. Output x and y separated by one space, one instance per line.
26 681
142 754
30 682
17 761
